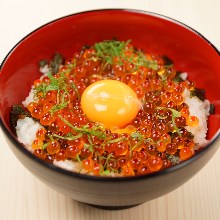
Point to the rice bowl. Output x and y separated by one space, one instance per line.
162 35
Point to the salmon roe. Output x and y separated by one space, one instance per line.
154 140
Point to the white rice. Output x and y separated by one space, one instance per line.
26 131
68 165
200 109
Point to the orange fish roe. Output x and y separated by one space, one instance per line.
185 153
192 121
153 140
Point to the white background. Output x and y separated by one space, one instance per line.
19 17
24 197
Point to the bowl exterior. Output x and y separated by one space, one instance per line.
110 192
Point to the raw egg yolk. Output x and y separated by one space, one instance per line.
110 102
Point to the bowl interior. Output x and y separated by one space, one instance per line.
190 52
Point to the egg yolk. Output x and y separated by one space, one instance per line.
110 102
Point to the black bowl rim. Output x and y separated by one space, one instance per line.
174 168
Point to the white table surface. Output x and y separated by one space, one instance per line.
23 197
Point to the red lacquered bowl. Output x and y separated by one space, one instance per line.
189 50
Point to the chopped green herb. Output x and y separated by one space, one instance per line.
140 137
60 105
75 89
175 114
137 135
108 50
116 140
89 139
175 127
105 173
55 84
108 172
78 158
148 140
141 60
135 146
42 88
161 117
58 84
96 131
110 157
44 146
69 136
74 64
89 146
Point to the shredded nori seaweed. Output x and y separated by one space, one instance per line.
55 63
16 111
86 47
178 78
200 93
20 110
212 109
167 61
190 135
172 135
